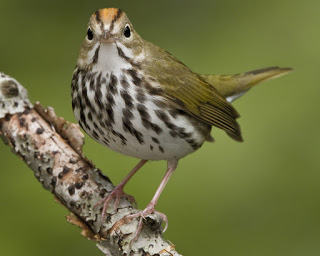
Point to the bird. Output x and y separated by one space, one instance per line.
139 100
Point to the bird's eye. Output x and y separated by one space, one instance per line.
127 31
89 34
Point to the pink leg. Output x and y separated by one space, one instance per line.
118 192
172 165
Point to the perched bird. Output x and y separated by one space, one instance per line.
137 99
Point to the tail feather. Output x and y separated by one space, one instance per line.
232 87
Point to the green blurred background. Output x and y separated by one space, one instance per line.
260 197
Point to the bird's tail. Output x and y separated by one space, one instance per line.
232 87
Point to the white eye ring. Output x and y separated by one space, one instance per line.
127 31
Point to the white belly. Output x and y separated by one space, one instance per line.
134 123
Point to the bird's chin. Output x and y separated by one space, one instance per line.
108 40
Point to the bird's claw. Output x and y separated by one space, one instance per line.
115 194
141 215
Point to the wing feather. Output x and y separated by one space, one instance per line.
190 92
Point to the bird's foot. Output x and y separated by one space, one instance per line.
115 194
141 215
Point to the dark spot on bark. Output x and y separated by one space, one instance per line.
72 161
65 169
26 111
49 170
36 155
83 194
9 89
78 185
79 170
108 219
40 131
103 192
85 177
7 117
22 121
72 203
71 190
53 181
33 119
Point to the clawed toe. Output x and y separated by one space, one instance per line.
164 218
118 192
141 215
115 194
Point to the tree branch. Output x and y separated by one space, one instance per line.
52 148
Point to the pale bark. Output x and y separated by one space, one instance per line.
52 148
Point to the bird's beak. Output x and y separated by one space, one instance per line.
107 37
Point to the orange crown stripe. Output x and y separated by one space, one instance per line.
108 14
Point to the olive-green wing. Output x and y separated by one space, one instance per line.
191 93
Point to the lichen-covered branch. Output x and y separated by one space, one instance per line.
52 148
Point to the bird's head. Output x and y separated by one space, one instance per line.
109 33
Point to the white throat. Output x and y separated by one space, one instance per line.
109 59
